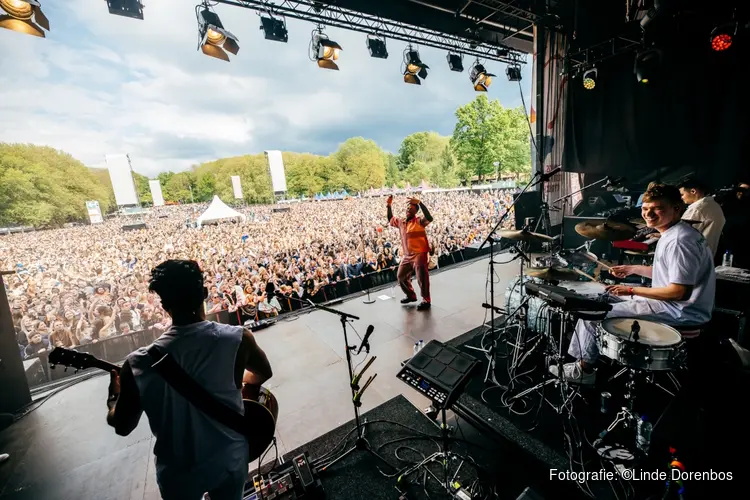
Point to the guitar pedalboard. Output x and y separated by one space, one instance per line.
293 480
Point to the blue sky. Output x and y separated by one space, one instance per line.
102 84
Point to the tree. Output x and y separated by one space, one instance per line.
485 133
143 188
392 174
358 165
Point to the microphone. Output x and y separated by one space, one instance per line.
497 309
550 174
365 341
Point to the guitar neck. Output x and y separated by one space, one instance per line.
105 365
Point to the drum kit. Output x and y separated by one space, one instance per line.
641 348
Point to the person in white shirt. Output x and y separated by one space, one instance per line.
705 209
683 283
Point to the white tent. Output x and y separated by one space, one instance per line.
218 210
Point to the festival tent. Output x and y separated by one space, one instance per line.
218 210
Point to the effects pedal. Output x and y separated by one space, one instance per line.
278 489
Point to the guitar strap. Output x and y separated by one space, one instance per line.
191 390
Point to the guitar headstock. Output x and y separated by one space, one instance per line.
78 360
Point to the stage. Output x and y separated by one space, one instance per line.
66 444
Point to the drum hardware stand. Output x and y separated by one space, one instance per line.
565 200
650 379
361 444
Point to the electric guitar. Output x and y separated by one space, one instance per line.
260 415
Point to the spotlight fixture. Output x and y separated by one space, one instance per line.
415 70
647 65
377 48
24 16
589 78
215 41
514 73
274 29
126 8
325 51
480 78
455 62
723 36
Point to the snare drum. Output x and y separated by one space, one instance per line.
659 347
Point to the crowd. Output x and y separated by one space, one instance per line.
78 285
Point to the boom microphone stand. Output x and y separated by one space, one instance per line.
361 443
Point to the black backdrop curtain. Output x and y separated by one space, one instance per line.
692 118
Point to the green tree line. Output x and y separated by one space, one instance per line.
41 186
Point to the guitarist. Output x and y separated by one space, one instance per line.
194 453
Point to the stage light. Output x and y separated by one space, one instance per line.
377 47
480 78
274 29
126 8
514 73
215 41
455 62
723 36
415 70
589 78
24 16
647 65
325 51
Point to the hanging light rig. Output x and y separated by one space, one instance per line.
215 41
480 78
324 50
414 69
23 16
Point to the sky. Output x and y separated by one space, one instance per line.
102 84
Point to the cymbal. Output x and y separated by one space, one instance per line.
514 235
552 273
609 230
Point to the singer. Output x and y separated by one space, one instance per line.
415 251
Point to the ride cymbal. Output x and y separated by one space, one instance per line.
552 273
609 230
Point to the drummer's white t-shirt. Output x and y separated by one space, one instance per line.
682 257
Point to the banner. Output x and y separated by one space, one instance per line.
95 213
156 194
276 166
121 175
237 187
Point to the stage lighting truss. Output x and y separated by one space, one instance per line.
274 29
589 78
376 47
455 62
126 8
23 16
414 69
331 15
215 41
324 50
480 78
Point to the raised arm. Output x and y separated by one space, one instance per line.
426 212
389 202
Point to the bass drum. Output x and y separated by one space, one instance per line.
659 347
515 294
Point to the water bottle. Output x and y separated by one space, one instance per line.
415 349
727 260
643 434
421 345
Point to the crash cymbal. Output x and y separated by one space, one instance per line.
552 273
637 221
609 230
521 235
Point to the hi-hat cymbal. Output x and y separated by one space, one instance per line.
609 230
524 236
552 273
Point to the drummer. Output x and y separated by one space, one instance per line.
683 282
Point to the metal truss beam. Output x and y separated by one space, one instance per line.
585 58
330 15
506 9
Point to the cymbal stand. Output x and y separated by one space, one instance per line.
559 356
567 198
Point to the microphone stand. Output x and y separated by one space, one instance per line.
361 443
490 353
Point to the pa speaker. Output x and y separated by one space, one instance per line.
528 206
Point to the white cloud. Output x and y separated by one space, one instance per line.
102 84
